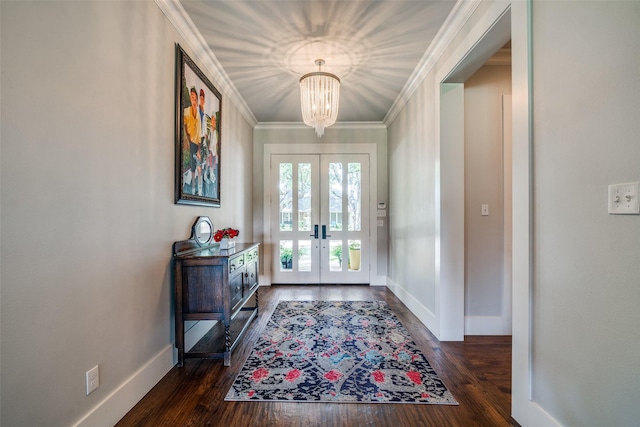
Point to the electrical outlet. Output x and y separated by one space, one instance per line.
92 379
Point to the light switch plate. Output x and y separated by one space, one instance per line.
623 199
485 210
381 213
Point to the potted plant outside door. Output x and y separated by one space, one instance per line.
354 255
286 258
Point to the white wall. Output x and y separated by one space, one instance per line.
586 289
87 212
483 184
426 258
576 335
412 194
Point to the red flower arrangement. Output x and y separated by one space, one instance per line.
225 233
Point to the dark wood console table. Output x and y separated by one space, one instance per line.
214 284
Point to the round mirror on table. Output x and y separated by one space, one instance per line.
203 231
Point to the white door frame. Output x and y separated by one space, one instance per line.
485 39
346 148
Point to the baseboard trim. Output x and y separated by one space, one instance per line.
375 281
485 325
426 316
113 407
529 413
378 281
264 280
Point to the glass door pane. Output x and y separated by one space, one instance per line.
304 196
334 186
354 200
344 250
294 182
286 255
286 196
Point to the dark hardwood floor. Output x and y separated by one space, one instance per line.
476 371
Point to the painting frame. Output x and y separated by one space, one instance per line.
197 135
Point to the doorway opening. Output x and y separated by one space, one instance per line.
471 302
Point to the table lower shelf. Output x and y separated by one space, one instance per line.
213 344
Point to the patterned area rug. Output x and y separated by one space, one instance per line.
336 351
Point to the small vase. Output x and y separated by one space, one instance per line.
226 243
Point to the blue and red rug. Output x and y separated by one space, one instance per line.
337 351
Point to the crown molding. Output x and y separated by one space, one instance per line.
183 24
300 125
457 18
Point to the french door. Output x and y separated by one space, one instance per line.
320 218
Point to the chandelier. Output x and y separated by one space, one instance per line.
319 98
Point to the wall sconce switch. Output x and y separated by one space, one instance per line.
623 199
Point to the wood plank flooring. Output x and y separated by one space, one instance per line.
476 371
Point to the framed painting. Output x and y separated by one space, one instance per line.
198 108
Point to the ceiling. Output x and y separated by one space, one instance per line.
264 47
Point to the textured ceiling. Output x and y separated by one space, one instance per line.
266 46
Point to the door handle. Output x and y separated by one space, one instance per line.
324 232
315 232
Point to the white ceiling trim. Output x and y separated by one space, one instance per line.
181 21
337 125
458 16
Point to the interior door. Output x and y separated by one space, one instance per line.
320 218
